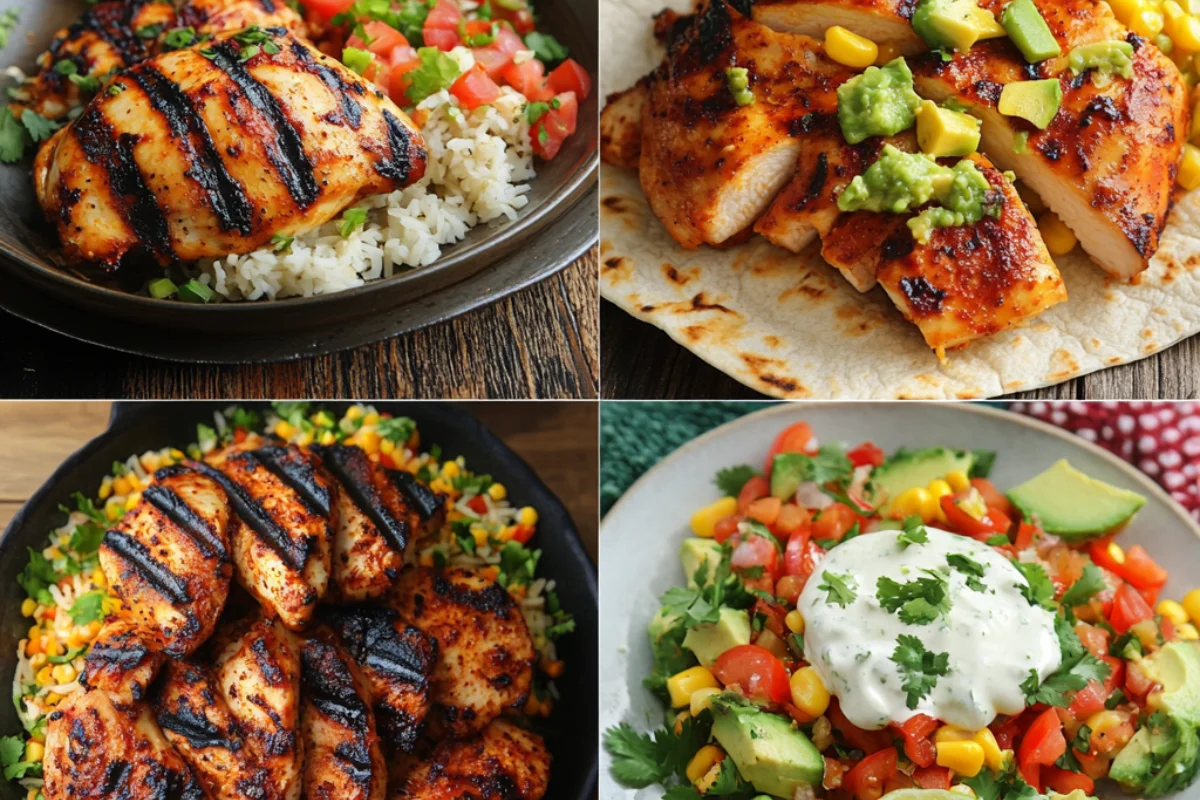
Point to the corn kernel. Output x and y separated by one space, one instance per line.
794 621
371 418
34 751
952 733
1147 632
681 685
962 758
35 633
993 756
114 508
701 700
354 412
53 698
76 638
368 441
1172 611
497 492
1116 553
328 438
849 48
451 469
63 673
98 578
916 501
703 761
53 648
37 661
28 607
284 430
710 777
132 501
958 480
888 51
426 559
1146 22
94 627
808 692
705 520
1125 9
106 487
528 516
1191 604
1059 239
387 446
480 534
1187 632
44 676
1183 28
1189 168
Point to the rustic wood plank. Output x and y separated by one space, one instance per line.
540 342
38 437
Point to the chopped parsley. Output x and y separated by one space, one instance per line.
1090 583
969 567
255 40
88 607
407 17
999 540
12 751
919 668
829 465
721 587
640 760
397 429
115 89
917 602
534 112
437 72
840 589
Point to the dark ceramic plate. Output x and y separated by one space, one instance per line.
572 731
557 225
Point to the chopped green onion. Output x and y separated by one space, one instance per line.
115 89
66 67
195 292
281 243
534 111
352 220
162 288
150 31
179 38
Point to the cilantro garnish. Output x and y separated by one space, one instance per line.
840 589
1038 588
437 72
1077 669
545 47
731 479
639 760
37 576
917 602
8 20
702 605
919 668
88 607
969 567
1090 582
829 465
914 533
178 39
397 429
13 138
39 127
12 750
407 17
998 540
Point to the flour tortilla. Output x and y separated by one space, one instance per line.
789 325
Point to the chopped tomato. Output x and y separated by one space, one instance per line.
756 487
474 88
1032 773
1006 732
789 587
441 38
528 78
765 510
866 453
520 18
327 9
993 497
1099 551
1093 638
1116 673
477 504
795 438
1095 766
993 522
932 778
856 737
791 518
917 744
834 522
773 615
383 39
553 127
726 527
569 76
1043 743
239 435
834 770
499 54
1026 534
444 15
387 461
1128 608
867 779
1088 700
755 551
1112 739
1141 570
1065 782
753 668
1137 683
1150 594
801 555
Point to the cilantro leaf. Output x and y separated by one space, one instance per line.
829 465
731 479
919 668
13 138
86 538
969 567
840 589
914 533
38 126
37 576
917 602
88 607
397 429
635 757
437 72
1090 582
1038 588
545 47
1078 668
998 540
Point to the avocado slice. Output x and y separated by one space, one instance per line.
1158 760
1028 31
954 24
694 552
776 757
942 133
916 468
1072 505
707 642
1176 667
1035 101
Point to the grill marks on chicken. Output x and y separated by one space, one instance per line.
503 763
168 559
121 662
197 153
485 654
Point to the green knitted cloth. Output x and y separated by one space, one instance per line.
634 436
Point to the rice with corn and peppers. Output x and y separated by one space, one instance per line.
67 598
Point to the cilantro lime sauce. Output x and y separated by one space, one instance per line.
937 627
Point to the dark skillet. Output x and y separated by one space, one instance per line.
572 731
544 238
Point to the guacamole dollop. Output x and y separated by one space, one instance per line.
899 181
879 102
1106 58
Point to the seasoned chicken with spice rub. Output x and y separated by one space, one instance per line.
168 559
218 148
503 762
485 653
122 661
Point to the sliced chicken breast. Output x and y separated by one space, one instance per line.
503 763
485 654
881 21
122 662
430 506
168 560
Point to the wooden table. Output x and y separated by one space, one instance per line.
638 361
540 342
559 440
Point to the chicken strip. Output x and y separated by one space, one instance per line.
218 148
621 126
881 21
121 662
375 526
116 34
168 560
429 505
98 749
342 755
398 662
709 165
485 654
503 763
288 506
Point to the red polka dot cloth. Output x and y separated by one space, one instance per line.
1161 439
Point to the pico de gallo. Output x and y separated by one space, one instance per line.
858 625
412 49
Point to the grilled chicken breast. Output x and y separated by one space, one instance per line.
200 153
342 755
168 560
375 525
485 654
98 749
288 505
430 506
116 34
122 662
397 660
621 127
879 20
503 763
709 167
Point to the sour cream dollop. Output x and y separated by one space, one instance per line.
993 637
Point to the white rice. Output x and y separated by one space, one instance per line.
478 171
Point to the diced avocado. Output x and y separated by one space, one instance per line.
776 757
788 471
942 132
1069 504
1176 667
879 102
954 24
1036 101
667 633
731 629
1132 766
1180 768
1106 58
1029 31
1161 758
693 553
916 468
